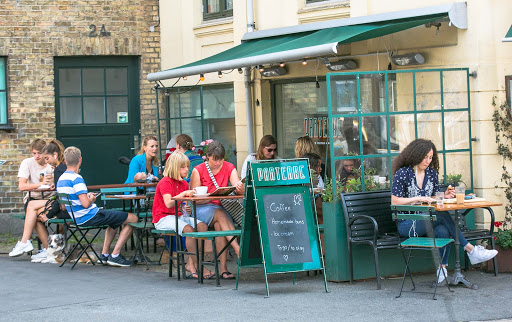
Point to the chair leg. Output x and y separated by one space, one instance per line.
494 260
350 263
216 262
377 272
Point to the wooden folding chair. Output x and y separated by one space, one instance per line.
429 243
83 241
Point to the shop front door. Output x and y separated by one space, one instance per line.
97 110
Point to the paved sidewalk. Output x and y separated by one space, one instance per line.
45 292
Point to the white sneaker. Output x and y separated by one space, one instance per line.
40 256
21 248
440 276
480 254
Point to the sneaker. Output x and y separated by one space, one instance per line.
480 254
21 248
440 276
103 258
41 255
119 261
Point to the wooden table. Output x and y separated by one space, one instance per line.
194 200
466 207
42 191
122 185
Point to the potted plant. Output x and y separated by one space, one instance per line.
355 184
453 180
503 243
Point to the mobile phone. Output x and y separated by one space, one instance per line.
98 194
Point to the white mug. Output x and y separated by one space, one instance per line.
201 190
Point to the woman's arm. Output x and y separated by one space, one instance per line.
135 171
407 201
195 181
169 202
236 182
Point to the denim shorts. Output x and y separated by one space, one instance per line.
111 218
169 222
206 212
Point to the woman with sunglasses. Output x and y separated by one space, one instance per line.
267 150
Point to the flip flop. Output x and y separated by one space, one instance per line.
227 275
192 276
210 276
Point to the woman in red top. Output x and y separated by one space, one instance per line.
212 213
173 185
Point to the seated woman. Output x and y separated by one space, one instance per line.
174 185
305 145
267 150
145 163
344 170
415 180
212 213
315 164
53 156
185 145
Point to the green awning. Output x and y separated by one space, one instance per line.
508 36
306 44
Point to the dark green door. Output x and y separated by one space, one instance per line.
97 109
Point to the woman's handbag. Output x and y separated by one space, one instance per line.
232 206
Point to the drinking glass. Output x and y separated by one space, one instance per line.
440 198
459 194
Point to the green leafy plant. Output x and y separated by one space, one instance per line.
328 194
502 238
453 179
355 184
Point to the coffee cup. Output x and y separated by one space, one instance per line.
201 190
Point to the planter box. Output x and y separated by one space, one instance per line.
504 259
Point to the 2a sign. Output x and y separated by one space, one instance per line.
102 32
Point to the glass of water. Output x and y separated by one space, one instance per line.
440 198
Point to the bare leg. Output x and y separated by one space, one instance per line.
220 220
31 220
125 233
42 233
191 247
109 237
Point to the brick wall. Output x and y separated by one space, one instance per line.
32 33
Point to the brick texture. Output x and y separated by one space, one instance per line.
32 33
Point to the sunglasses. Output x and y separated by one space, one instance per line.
271 150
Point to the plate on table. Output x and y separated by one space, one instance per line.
44 186
454 200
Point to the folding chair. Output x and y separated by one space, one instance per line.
429 243
169 233
143 227
110 203
81 232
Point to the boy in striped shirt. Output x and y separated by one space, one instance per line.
87 213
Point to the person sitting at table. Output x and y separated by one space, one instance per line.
185 145
38 210
416 180
344 170
212 213
315 164
267 150
146 162
305 145
88 214
174 185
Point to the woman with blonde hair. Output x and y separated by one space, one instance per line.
145 164
267 150
305 145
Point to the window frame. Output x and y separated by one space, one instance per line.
222 13
6 125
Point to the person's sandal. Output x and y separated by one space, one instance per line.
227 275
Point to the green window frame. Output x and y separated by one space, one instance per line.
215 9
4 116
394 108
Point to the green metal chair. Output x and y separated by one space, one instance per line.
143 228
111 203
429 243
168 248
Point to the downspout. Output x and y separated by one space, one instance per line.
247 76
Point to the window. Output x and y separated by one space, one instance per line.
214 9
203 112
508 89
3 93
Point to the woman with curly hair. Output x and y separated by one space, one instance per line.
416 180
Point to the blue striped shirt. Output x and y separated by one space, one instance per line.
73 184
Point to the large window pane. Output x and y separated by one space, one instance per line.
346 136
428 91
117 81
372 93
374 132
116 105
70 110
94 110
458 163
185 103
3 108
429 127
456 130
401 131
218 103
93 81
402 92
2 73
69 81
344 94
455 89
212 6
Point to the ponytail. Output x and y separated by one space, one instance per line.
55 146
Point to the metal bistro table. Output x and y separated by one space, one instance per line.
457 276
194 201
144 185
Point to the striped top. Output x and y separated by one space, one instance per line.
73 184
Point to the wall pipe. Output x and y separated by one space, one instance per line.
247 77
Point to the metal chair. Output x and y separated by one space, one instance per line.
430 242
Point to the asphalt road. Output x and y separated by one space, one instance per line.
46 292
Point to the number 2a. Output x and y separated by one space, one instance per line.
103 31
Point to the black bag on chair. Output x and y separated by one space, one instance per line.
232 206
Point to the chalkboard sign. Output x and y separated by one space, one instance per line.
287 228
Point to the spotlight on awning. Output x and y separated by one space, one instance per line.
408 59
273 71
343 64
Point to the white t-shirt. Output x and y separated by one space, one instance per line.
31 170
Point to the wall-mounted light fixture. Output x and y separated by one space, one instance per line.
273 71
304 62
343 64
408 59
260 68
184 77
219 74
281 64
201 77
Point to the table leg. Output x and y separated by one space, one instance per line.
457 276
198 262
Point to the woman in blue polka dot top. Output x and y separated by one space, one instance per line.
415 180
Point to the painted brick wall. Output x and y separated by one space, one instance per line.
32 33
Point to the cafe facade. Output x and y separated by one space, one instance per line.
362 78
75 70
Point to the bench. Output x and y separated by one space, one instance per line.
368 220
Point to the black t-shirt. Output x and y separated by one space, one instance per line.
59 170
